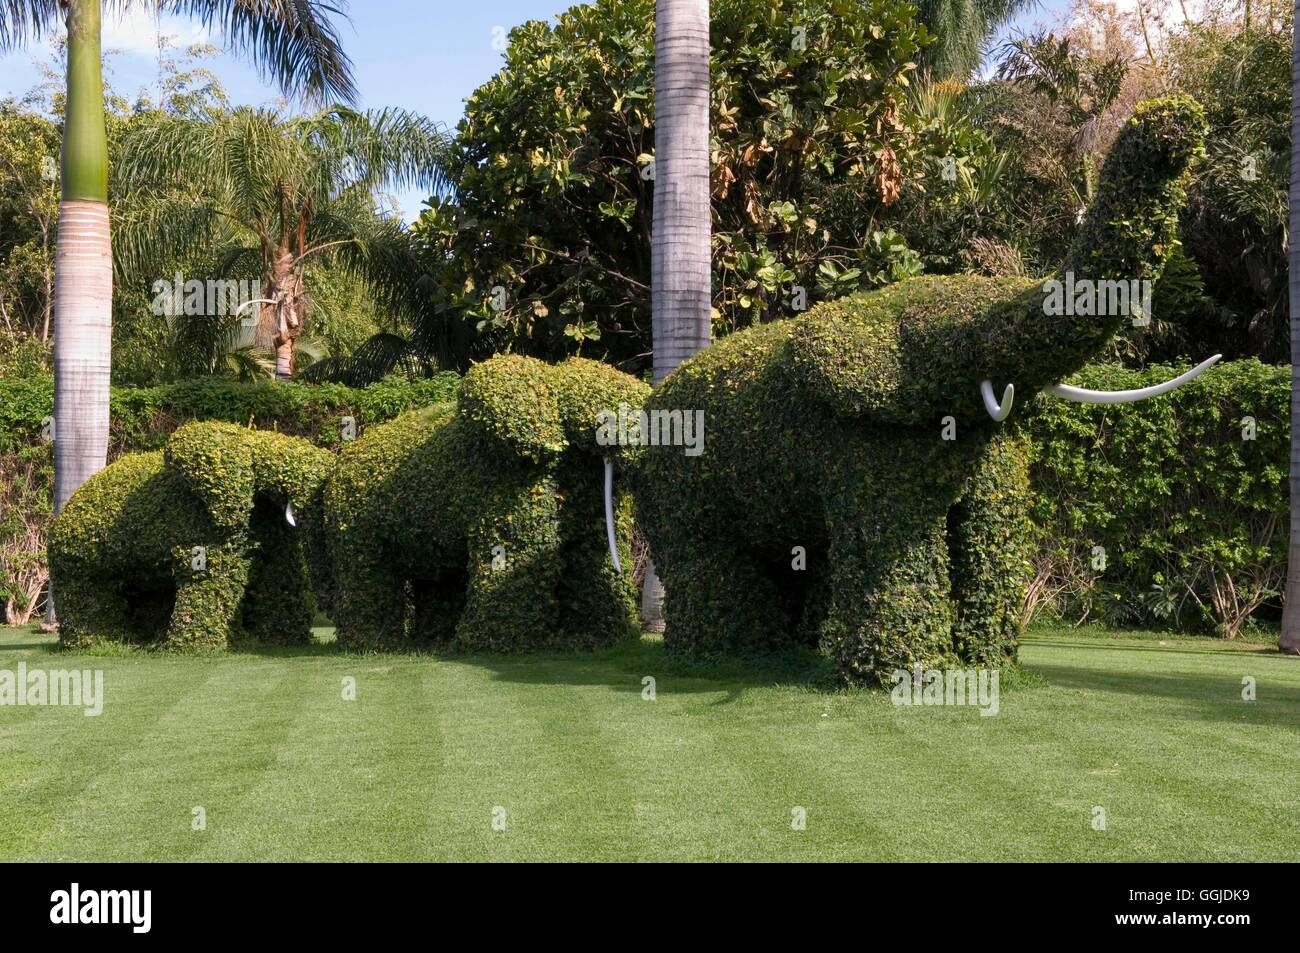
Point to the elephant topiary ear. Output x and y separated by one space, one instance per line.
584 389
846 360
510 399
216 461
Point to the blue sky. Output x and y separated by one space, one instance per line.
423 55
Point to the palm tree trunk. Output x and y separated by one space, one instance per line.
83 267
1290 638
680 266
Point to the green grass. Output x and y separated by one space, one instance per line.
1150 728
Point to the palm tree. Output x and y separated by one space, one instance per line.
1290 638
960 29
295 43
258 189
680 257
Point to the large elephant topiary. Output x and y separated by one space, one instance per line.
858 488
481 525
192 547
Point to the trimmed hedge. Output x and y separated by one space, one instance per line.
190 548
142 417
1186 495
482 525
856 435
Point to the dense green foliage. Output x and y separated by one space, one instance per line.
1055 107
857 434
190 548
482 525
1185 495
555 170
1235 222
283 199
142 417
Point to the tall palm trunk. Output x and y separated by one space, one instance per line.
280 318
680 268
1290 639
83 266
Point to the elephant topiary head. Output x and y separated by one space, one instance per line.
916 351
539 411
231 468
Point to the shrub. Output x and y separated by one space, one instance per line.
189 548
1186 496
142 419
26 476
482 525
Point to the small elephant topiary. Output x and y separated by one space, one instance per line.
193 547
480 525
858 488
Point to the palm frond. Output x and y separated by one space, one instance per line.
28 21
294 42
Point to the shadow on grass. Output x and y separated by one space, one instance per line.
623 667
1213 697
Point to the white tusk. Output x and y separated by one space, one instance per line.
1066 392
997 411
288 515
609 514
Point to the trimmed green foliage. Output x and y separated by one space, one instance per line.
189 548
142 417
1186 494
858 434
481 526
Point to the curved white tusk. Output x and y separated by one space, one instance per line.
1083 396
609 515
997 411
288 515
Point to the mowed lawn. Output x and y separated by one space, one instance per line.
571 762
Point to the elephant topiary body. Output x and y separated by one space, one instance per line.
189 548
853 491
481 525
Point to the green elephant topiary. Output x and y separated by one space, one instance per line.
192 547
481 525
858 489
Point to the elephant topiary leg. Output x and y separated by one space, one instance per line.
208 597
597 605
370 603
514 567
989 550
718 600
92 609
279 604
890 605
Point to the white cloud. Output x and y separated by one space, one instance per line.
136 32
